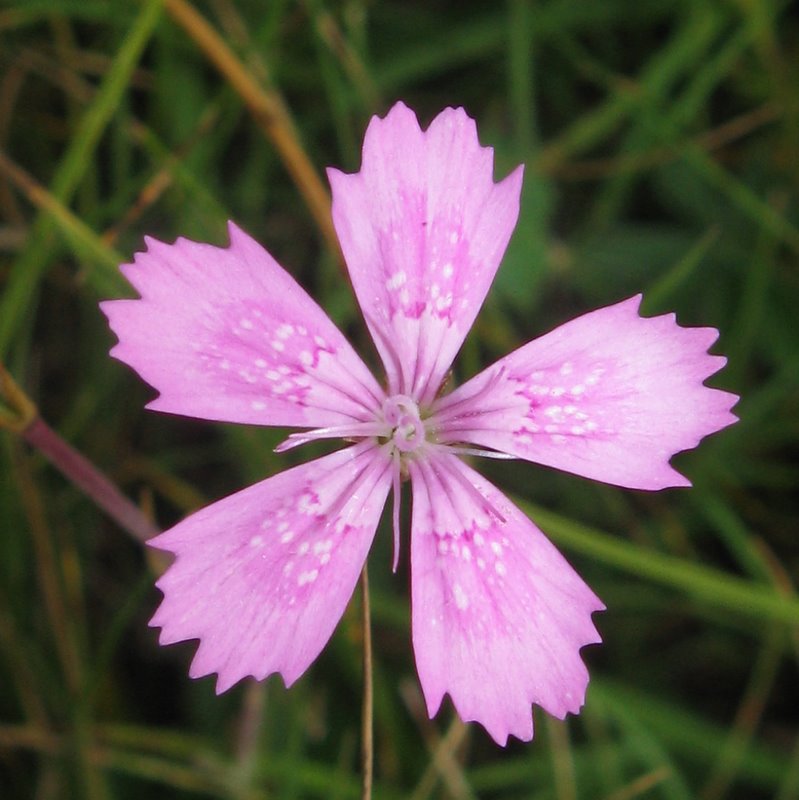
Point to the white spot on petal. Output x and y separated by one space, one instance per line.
444 302
307 577
593 378
396 280
307 503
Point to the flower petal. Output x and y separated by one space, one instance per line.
262 577
423 228
227 334
610 395
499 616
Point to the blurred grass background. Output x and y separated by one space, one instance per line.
661 140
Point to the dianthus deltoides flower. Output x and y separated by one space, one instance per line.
262 577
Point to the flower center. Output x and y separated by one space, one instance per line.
407 429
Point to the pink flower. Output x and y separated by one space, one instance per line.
262 577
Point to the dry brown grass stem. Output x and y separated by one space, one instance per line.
269 111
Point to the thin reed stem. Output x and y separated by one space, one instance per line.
269 111
367 718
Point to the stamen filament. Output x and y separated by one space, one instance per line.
477 451
354 430
395 511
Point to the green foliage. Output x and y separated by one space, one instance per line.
661 143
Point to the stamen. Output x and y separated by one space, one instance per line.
353 430
478 451
395 511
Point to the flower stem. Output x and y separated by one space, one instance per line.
88 479
367 743
18 414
